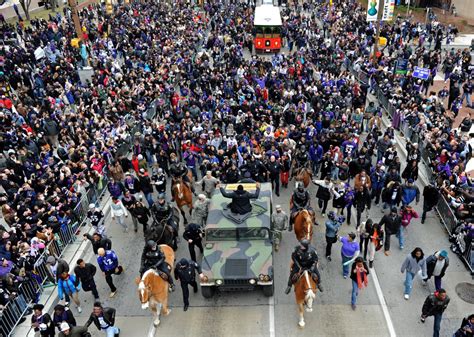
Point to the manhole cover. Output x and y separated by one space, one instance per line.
466 292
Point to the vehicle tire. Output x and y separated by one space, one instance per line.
207 292
268 290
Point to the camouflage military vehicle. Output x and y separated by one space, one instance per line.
238 248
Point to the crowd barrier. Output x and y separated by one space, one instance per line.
32 286
445 212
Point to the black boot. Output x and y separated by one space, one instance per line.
371 264
287 290
320 287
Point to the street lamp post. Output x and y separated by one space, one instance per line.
377 32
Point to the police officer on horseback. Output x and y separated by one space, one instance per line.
163 212
299 200
153 257
301 157
304 257
179 171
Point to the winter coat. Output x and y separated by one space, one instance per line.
407 216
430 196
69 286
185 271
413 266
240 200
332 228
431 264
434 305
410 193
75 331
280 221
108 316
392 223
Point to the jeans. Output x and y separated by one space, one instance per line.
194 172
111 331
437 324
401 239
409 282
345 267
121 221
149 199
468 98
355 292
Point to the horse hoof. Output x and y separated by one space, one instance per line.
301 324
309 310
156 323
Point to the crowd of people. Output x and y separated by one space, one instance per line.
224 117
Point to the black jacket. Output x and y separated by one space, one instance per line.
392 224
240 200
108 315
433 305
102 243
65 316
85 274
431 263
354 275
186 272
46 319
430 196
192 232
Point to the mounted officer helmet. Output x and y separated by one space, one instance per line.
300 187
331 215
151 244
305 243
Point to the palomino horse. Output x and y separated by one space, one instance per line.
305 293
153 290
304 175
183 196
303 224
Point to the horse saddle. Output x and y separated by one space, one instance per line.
298 275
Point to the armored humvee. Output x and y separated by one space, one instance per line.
238 248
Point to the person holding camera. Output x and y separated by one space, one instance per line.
332 227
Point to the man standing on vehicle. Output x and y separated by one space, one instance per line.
241 199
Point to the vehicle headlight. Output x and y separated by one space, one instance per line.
261 277
205 278
266 278
252 281
219 282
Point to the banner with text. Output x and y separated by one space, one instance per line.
373 10
388 10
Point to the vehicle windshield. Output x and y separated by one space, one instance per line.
237 234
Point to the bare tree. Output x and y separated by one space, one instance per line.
25 4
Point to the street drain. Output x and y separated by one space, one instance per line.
466 292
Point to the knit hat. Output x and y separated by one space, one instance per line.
51 260
64 326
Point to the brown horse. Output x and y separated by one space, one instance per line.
183 196
304 175
153 290
303 225
305 293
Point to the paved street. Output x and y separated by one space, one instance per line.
252 314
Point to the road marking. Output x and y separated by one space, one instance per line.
271 315
383 304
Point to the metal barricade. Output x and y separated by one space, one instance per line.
11 315
363 77
446 215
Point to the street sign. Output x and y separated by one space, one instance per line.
372 10
423 73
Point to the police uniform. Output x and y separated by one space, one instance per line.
193 232
154 258
304 259
185 272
